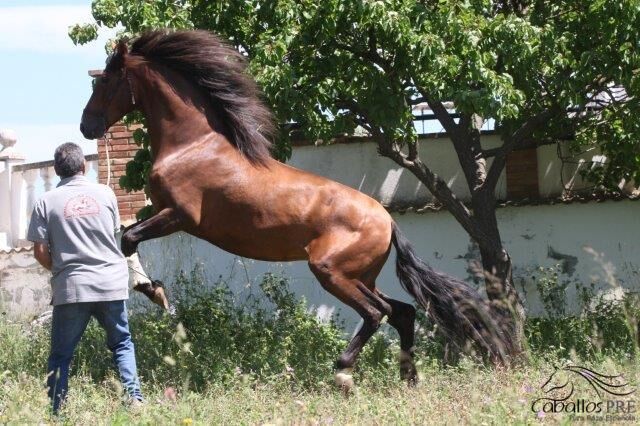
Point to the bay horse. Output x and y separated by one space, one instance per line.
213 177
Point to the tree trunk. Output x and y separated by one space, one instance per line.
496 264
482 226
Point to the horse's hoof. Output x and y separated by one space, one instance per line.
154 292
146 289
159 297
344 380
408 370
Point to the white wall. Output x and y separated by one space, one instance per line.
529 232
554 173
24 285
359 166
532 234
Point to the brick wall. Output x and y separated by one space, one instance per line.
122 148
522 174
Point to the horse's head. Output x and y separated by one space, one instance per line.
112 96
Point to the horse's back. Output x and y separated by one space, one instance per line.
275 212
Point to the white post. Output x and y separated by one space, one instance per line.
17 206
47 174
9 157
30 177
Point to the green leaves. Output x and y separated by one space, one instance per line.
333 65
81 34
106 12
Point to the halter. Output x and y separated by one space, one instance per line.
129 86
107 139
133 96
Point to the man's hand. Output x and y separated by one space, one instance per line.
42 255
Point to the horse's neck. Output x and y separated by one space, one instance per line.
176 114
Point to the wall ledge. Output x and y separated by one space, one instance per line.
593 197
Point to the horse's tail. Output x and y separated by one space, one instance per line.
461 314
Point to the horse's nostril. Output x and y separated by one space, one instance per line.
81 128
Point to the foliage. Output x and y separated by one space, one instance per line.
329 66
137 170
465 394
552 291
269 358
214 339
25 354
272 337
608 328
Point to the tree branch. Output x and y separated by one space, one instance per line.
437 186
511 142
370 55
440 112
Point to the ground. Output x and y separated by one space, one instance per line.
465 394
219 362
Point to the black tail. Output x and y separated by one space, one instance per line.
464 317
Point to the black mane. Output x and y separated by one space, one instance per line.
220 71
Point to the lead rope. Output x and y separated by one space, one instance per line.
107 142
107 138
140 273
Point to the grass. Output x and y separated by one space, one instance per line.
220 362
466 394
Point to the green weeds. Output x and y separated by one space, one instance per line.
270 360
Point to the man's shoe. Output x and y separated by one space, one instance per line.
134 404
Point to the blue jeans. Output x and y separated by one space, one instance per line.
68 324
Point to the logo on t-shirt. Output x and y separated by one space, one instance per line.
81 205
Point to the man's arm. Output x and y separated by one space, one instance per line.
42 255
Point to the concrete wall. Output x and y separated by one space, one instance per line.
535 235
359 166
24 286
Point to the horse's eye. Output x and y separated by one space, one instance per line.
104 79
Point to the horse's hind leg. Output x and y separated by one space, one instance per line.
402 318
368 305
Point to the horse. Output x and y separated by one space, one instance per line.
213 177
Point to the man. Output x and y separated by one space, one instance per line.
73 230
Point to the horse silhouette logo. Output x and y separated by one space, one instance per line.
80 206
560 391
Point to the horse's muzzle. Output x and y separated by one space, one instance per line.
92 126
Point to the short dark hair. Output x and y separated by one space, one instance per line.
68 160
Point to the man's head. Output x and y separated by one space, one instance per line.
68 160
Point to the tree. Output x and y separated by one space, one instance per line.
542 69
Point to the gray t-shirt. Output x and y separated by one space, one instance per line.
78 219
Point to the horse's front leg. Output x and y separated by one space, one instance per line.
140 281
166 222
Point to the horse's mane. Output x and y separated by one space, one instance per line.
220 71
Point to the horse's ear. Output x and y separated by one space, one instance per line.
121 48
115 61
